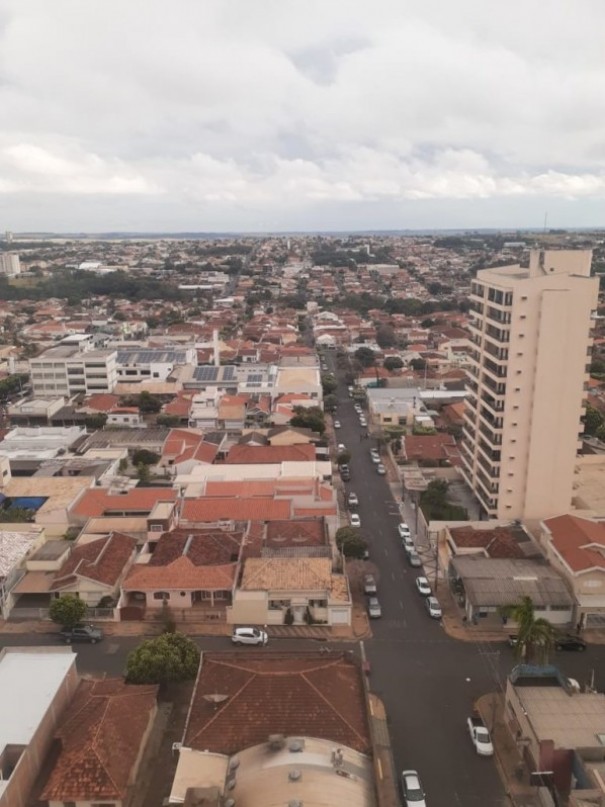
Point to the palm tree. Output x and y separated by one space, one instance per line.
535 637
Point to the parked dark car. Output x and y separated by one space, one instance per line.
81 633
569 642
563 642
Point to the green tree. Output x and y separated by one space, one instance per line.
385 336
142 456
418 364
350 543
365 356
535 637
94 422
168 658
148 403
143 473
167 420
67 610
328 383
343 458
330 403
392 363
308 418
593 420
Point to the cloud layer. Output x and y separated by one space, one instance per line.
271 115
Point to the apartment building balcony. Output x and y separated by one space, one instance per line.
500 335
495 386
488 457
494 439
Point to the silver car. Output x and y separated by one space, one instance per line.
374 609
249 636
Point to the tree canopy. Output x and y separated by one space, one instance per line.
163 660
350 543
365 356
309 418
67 610
535 637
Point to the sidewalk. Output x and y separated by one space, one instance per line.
359 629
510 765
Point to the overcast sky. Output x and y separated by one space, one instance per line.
313 115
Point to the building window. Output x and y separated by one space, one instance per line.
161 595
155 528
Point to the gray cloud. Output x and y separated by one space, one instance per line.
231 115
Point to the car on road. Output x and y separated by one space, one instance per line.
414 558
352 499
380 469
423 586
374 455
345 472
403 529
362 421
249 636
81 633
374 609
337 424
341 448
569 642
358 408
355 520
369 584
433 607
407 542
413 794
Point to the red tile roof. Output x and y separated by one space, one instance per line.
101 735
252 455
103 560
277 693
258 508
101 402
311 532
499 542
430 447
579 541
97 502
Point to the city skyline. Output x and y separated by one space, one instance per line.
301 118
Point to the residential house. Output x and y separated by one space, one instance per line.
185 569
485 586
17 543
102 737
128 417
305 588
576 549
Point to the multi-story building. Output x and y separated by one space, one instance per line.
531 333
10 266
68 369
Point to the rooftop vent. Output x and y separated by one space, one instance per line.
294 775
276 742
233 763
296 745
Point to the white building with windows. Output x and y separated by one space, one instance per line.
10 265
69 369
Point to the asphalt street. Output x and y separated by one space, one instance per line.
427 680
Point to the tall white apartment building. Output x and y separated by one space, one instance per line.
66 370
531 334
10 265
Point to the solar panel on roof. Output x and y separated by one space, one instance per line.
254 378
229 373
206 372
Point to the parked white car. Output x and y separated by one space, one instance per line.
249 636
352 500
403 529
422 584
337 424
433 607
341 448
413 794
374 609
375 456
355 520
